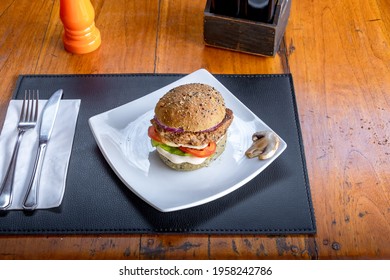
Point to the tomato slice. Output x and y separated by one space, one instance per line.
202 153
152 133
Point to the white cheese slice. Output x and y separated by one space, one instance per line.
184 145
180 159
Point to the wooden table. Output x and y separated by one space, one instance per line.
339 55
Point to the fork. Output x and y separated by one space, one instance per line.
27 121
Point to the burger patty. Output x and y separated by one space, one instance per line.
197 138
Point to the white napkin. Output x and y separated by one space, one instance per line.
55 165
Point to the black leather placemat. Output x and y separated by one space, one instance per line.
277 201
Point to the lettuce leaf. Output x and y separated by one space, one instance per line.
169 149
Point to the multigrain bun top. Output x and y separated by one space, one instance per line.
191 107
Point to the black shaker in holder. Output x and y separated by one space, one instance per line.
226 7
260 10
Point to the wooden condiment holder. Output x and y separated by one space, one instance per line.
246 35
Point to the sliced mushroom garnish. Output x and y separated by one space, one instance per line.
265 144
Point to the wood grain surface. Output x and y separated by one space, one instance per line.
339 55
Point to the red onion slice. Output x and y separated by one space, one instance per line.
168 128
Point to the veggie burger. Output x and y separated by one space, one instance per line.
190 125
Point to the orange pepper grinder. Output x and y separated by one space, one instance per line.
80 33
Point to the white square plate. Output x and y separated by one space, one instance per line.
121 135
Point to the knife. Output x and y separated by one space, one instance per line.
48 118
